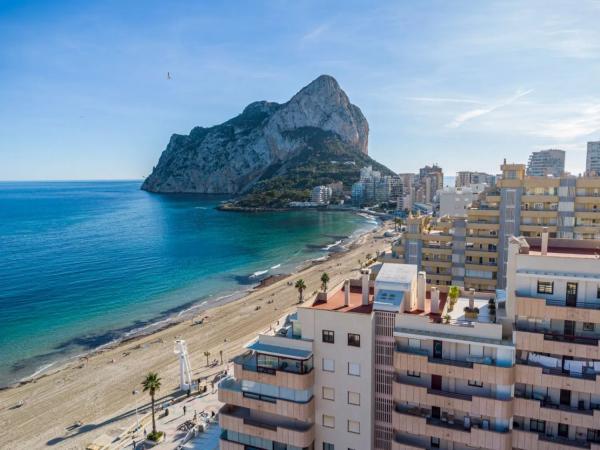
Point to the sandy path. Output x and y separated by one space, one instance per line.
99 392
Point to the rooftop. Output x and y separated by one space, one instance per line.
336 301
565 248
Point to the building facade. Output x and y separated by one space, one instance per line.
546 162
467 178
592 161
382 362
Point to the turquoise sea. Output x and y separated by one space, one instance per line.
84 263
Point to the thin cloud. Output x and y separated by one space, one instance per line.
583 123
478 112
315 33
444 100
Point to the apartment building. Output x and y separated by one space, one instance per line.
592 161
467 178
554 288
546 162
473 252
382 362
310 385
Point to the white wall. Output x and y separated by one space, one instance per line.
342 323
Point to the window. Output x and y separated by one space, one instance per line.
353 340
354 369
588 326
545 287
353 426
328 446
475 383
328 336
328 393
353 398
435 442
328 421
328 365
413 373
598 292
537 425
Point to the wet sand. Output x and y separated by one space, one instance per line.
97 390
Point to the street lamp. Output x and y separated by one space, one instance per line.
137 418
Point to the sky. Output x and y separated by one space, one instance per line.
84 92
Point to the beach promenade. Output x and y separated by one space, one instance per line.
93 397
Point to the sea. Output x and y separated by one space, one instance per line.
83 264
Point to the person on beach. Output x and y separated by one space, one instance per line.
184 410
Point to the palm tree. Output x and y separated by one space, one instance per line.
453 293
207 354
300 286
152 384
324 281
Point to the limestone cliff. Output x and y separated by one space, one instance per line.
232 157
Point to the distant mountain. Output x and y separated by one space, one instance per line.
269 147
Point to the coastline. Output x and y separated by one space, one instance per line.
190 309
96 389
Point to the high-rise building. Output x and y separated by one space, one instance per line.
592 162
455 201
546 162
388 364
321 194
431 179
519 205
466 178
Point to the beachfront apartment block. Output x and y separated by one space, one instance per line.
472 252
309 386
383 362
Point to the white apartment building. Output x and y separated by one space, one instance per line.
455 202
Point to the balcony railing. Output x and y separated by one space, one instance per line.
454 395
559 372
549 404
550 335
249 362
564 441
434 360
563 302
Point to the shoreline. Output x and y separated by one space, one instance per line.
189 310
96 390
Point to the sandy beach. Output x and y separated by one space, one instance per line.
97 390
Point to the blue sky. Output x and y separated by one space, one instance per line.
84 94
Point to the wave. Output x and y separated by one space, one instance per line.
327 247
258 273
276 266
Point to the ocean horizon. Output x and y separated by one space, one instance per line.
87 262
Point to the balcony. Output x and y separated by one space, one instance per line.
406 441
407 358
275 428
547 410
474 433
532 440
556 309
230 392
543 341
246 368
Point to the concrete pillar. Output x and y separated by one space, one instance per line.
545 235
471 298
421 290
347 293
435 300
365 274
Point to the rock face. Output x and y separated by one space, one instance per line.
231 157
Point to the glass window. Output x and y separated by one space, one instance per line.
588 326
353 340
475 383
328 446
353 426
413 373
353 398
328 393
545 287
354 369
328 336
537 425
328 365
328 421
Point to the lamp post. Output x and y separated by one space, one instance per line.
137 418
